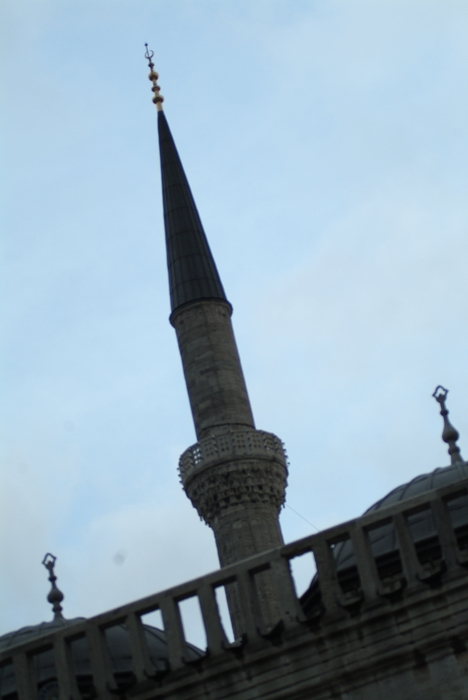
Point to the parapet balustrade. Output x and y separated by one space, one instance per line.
372 589
246 443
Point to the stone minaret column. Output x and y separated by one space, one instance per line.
235 475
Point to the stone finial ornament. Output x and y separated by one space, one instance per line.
55 596
158 99
449 434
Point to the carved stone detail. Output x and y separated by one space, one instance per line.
256 444
222 487
237 468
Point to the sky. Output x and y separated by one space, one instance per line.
326 144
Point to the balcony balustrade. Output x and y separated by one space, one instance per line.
335 601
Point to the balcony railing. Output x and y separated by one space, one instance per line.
371 589
247 444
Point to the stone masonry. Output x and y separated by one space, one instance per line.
402 638
213 373
236 475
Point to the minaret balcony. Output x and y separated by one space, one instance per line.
232 445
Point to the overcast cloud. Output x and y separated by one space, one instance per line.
326 144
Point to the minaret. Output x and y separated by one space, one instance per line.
235 476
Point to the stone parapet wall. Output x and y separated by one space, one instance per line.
407 640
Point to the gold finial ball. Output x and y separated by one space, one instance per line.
156 87
158 98
153 76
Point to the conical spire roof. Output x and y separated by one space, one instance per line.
192 270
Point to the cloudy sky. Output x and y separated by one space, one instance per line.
326 144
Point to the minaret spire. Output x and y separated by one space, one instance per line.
192 270
234 475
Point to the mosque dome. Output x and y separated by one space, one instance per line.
442 476
43 664
383 539
119 650
117 644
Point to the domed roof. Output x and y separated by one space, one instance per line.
119 649
442 476
25 634
383 539
117 644
43 664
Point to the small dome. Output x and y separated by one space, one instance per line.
43 665
25 634
383 539
442 476
119 649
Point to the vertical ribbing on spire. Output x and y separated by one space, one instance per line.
192 270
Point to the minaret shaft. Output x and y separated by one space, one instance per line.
213 373
235 475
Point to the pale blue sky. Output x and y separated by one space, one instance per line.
326 144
